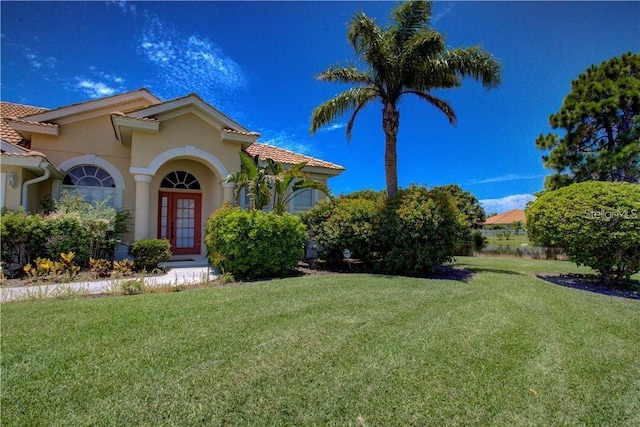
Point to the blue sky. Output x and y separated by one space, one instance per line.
256 62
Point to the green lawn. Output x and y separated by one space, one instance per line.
513 241
503 348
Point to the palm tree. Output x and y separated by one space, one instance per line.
254 179
293 177
259 180
407 57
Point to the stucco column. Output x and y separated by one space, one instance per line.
227 191
141 217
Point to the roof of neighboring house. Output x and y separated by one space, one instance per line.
506 218
11 110
265 151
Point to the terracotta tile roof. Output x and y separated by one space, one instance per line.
281 155
237 132
128 116
25 154
9 109
506 218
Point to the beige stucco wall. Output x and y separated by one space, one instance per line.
185 130
12 195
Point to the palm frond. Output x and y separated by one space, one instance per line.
328 111
363 33
440 104
251 164
410 18
352 119
344 75
424 46
476 63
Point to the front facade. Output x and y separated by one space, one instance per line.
165 162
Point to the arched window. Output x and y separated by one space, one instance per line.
93 182
180 180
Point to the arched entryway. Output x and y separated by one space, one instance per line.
180 212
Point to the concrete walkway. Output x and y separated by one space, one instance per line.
177 273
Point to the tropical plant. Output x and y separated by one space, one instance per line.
260 179
601 118
283 178
254 179
407 57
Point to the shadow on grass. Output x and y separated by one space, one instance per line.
317 267
492 270
591 283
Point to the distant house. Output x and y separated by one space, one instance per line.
164 161
507 218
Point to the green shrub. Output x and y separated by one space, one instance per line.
418 231
148 253
596 223
89 230
344 223
252 244
22 237
132 286
101 225
68 233
478 240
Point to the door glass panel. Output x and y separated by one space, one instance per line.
163 217
185 227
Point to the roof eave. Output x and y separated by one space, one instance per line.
123 127
26 129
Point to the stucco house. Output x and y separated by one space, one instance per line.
164 161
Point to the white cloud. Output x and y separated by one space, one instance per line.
38 62
285 140
333 127
189 64
448 7
504 204
503 178
103 84
124 7
95 89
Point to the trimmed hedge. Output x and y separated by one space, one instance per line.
418 231
596 223
413 233
148 253
251 244
344 223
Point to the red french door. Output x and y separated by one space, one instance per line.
179 221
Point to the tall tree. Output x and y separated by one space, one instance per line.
407 57
601 120
468 204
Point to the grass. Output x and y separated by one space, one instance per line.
515 240
502 348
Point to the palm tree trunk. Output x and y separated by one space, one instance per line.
390 124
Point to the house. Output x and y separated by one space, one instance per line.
164 161
507 218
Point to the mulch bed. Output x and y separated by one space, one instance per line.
590 283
